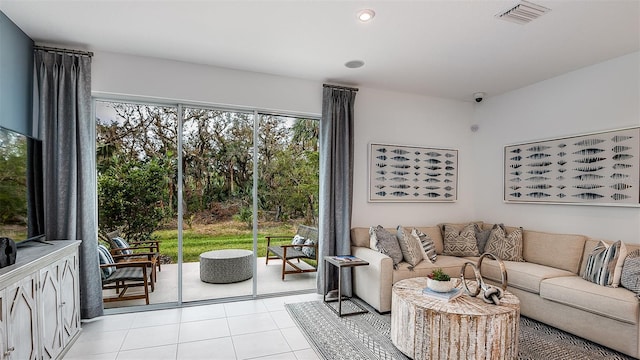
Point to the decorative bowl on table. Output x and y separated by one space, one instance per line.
439 285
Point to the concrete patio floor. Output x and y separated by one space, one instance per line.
166 288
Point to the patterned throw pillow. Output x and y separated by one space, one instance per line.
309 250
104 257
507 247
602 263
428 246
297 240
121 243
410 247
460 243
387 243
630 277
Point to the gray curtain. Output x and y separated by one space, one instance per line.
336 183
62 111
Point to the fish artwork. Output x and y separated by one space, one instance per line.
398 179
538 195
400 158
621 166
620 186
432 195
538 156
433 154
400 186
618 197
589 142
381 193
382 157
399 151
432 161
588 196
620 148
400 166
382 150
538 148
589 160
399 193
619 157
620 138
588 151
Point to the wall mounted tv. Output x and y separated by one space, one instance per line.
21 187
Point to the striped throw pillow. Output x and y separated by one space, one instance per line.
121 243
602 263
104 257
428 246
630 277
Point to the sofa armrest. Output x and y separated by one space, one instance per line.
373 283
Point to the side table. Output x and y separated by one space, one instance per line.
342 262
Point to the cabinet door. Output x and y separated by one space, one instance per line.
3 325
50 325
22 319
70 297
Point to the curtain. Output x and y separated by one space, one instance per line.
336 183
62 112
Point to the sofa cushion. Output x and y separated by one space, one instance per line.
602 264
460 242
410 246
521 275
387 243
615 303
560 251
506 246
630 277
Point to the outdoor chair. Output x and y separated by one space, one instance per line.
121 276
120 246
304 245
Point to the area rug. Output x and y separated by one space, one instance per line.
366 336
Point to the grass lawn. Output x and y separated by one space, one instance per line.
223 235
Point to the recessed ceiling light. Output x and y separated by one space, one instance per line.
366 15
354 64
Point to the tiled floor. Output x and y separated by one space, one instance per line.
255 329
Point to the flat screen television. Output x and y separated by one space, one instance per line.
21 188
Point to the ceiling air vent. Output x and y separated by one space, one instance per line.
523 13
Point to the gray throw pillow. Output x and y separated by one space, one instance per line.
298 240
630 278
507 247
308 250
482 236
410 247
387 243
460 243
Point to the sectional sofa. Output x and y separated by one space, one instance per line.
549 284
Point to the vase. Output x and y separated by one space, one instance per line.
440 286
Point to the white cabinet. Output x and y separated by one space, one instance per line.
40 302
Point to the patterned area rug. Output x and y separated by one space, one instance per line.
366 336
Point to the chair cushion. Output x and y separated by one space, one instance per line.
104 257
615 303
121 243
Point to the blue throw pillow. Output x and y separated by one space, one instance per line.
121 243
104 257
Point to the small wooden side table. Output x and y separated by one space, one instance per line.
342 262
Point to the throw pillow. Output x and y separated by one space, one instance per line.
630 277
410 247
387 243
310 251
507 247
104 257
482 236
602 262
428 246
460 243
121 243
297 240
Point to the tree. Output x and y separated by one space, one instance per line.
129 194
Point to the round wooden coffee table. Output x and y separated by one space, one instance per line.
463 328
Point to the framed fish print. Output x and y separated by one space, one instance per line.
593 169
399 173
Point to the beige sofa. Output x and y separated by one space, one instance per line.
548 284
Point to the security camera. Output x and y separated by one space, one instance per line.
478 96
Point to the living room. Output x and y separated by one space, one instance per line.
586 98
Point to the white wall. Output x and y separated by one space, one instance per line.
407 119
387 117
600 97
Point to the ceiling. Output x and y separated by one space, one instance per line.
442 48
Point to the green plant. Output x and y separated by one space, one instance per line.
439 275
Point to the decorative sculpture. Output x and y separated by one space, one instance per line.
490 294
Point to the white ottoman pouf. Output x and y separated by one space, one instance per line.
226 266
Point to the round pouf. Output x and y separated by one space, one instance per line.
226 266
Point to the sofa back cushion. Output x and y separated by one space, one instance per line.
561 251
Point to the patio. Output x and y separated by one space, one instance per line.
269 282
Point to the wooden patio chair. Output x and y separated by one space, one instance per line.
289 252
121 276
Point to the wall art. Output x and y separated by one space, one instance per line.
599 169
399 173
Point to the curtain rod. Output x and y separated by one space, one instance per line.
339 87
63 51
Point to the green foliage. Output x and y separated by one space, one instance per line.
13 195
439 275
129 197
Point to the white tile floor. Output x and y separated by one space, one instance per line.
254 329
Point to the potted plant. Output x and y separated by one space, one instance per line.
439 281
